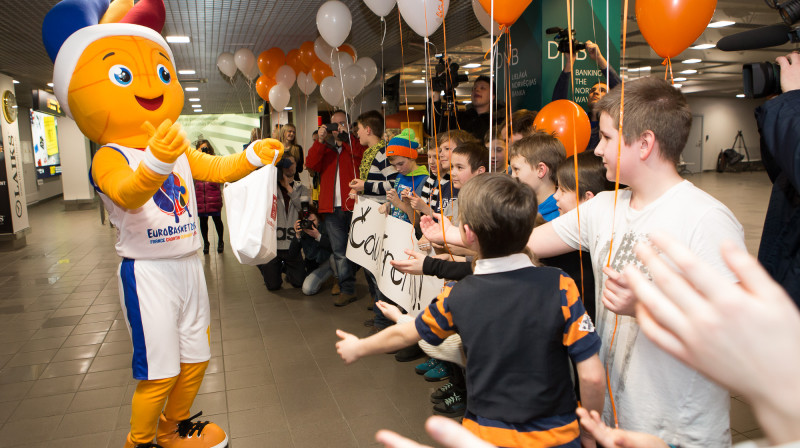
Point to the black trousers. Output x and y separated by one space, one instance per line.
217 224
289 261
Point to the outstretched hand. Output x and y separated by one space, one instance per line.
266 150
617 295
432 229
347 347
615 438
168 142
411 266
742 335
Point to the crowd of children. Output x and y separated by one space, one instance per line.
526 328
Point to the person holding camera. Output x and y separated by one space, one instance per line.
475 119
596 92
292 195
779 125
317 250
336 156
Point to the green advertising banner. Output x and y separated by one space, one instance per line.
536 62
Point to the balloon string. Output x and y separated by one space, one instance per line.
491 81
616 195
509 115
570 10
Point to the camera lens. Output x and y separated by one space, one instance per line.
790 11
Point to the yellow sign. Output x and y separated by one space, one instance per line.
51 140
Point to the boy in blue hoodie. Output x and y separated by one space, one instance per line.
402 153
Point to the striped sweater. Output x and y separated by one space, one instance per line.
380 177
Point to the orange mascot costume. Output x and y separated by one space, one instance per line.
115 76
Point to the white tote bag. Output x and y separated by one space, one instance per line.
251 207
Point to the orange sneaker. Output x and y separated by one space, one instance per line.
190 434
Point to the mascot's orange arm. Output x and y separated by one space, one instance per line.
127 188
233 167
218 169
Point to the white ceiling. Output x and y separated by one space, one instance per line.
216 26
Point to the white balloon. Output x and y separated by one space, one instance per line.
331 90
322 49
306 83
354 80
334 22
285 76
423 16
381 8
254 73
340 61
484 18
245 60
279 97
370 69
226 64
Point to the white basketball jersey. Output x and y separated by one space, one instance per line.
165 226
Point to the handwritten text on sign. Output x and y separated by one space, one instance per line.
374 241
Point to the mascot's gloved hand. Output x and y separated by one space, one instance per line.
166 144
264 152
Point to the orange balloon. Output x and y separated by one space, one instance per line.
270 61
670 26
307 54
506 12
561 117
347 48
320 71
263 84
293 60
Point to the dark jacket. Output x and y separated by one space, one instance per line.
318 251
561 92
779 252
209 197
324 159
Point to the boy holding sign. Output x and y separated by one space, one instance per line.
402 152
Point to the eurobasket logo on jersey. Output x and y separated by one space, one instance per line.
173 197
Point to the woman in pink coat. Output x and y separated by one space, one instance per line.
209 203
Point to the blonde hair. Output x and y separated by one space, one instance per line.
291 148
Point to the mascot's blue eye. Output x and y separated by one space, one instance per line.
120 75
163 74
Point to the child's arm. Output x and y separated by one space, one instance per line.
591 377
545 242
351 348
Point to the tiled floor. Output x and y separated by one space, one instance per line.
274 379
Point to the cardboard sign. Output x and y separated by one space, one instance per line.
375 240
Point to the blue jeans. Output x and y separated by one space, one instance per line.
380 320
317 277
338 226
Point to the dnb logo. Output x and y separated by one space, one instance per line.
173 197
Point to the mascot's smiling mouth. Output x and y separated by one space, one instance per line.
152 103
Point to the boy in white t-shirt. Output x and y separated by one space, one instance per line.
652 392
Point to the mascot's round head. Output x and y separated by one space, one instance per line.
113 70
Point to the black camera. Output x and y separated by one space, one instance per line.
447 77
562 37
305 214
761 79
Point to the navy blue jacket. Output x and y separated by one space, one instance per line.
779 252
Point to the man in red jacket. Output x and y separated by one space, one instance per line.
336 156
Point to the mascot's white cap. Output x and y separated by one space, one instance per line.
73 48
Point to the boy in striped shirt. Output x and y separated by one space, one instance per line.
520 326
